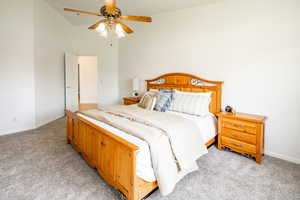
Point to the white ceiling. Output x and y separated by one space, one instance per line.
128 7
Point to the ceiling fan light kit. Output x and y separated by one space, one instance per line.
111 22
109 27
102 30
119 31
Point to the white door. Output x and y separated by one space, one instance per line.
88 79
71 77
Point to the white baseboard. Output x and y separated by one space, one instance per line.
16 131
283 157
32 128
50 120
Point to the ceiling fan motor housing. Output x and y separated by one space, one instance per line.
115 14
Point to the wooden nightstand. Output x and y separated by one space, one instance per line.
131 100
243 133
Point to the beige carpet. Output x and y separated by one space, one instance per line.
40 165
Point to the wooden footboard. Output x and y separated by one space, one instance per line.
113 157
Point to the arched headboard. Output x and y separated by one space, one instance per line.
190 83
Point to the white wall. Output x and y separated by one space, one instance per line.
88 73
95 45
32 64
16 66
253 46
53 37
51 40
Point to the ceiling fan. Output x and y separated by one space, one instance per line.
112 16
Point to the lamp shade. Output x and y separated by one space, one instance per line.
135 84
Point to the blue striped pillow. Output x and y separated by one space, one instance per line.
164 100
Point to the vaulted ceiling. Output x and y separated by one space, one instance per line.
128 7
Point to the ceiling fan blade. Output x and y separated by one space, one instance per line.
137 18
125 27
82 12
110 5
94 26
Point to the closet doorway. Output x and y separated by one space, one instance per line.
88 82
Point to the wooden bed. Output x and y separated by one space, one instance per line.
115 158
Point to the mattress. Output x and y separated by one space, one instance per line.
206 125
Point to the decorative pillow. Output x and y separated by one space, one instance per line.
191 103
148 100
164 100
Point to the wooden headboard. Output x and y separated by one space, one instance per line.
190 83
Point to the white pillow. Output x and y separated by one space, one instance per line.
191 103
207 94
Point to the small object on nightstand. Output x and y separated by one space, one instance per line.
242 133
131 100
229 109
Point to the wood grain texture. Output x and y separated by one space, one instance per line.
239 135
243 133
131 100
210 142
94 26
113 157
110 5
246 117
182 82
82 12
126 28
137 18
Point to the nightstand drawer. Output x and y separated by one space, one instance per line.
242 136
129 102
235 144
239 125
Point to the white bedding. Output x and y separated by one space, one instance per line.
206 125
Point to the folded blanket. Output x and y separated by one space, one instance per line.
175 142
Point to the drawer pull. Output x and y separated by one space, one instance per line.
238 125
237 136
237 145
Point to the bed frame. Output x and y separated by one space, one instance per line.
115 158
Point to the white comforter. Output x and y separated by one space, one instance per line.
174 142
207 127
